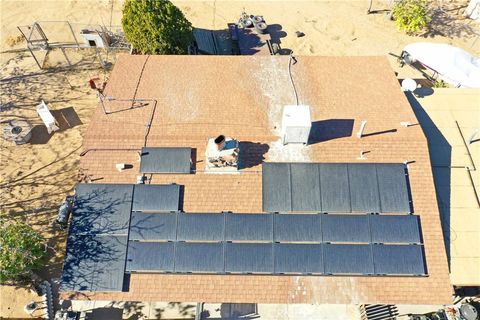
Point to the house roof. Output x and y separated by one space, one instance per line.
188 99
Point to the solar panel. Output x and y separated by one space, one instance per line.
110 263
94 263
200 227
392 183
156 197
165 160
277 194
398 259
363 188
297 228
395 229
199 257
249 257
150 256
101 208
248 227
345 228
153 226
334 187
79 264
348 259
305 187
298 258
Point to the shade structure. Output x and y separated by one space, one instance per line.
165 160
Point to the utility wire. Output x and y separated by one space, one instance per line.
292 59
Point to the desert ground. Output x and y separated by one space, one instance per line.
36 177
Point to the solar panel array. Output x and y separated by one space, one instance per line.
99 230
335 187
138 228
165 160
97 241
276 243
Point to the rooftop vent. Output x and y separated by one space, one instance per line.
296 124
222 154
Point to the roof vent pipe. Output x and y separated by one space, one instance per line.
362 127
220 142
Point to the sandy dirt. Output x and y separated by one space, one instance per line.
36 177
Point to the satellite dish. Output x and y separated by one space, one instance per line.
409 85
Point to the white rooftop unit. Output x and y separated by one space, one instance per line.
296 124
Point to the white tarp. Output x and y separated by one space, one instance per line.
453 65
473 10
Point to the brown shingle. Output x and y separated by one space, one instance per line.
203 96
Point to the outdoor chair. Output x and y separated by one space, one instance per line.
47 117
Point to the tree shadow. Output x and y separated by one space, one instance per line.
446 25
440 157
107 313
97 240
251 154
325 130
233 311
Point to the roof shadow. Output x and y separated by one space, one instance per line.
325 130
441 159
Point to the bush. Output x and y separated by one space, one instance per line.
156 27
411 15
21 251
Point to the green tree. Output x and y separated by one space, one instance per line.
411 15
156 27
21 251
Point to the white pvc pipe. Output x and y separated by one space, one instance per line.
362 127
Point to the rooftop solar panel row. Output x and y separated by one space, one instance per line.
94 263
335 187
308 228
165 160
275 258
101 209
156 198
